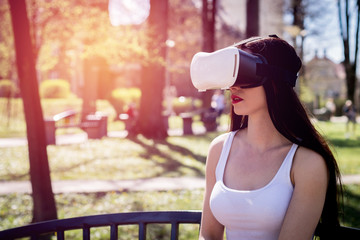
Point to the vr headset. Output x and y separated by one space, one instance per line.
232 66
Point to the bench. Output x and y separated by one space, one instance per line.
322 114
208 117
187 118
128 121
95 125
141 219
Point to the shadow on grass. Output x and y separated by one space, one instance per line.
351 216
171 164
342 142
169 160
16 177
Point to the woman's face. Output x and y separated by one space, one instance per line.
248 101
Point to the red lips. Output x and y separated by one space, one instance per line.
235 99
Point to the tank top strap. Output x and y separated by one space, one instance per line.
288 161
220 168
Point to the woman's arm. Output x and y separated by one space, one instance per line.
210 227
310 178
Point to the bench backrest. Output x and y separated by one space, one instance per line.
174 218
142 219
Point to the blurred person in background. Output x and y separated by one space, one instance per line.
330 106
350 112
218 103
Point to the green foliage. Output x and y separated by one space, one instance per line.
46 61
55 88
185 104
69 31
351 206
7 88
339 103
7 53
12 122
122 97
306 94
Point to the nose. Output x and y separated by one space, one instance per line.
234 88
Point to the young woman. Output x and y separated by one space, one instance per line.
272 176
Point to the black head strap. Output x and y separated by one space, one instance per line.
267 70
273 35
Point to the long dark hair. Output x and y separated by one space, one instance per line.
291 119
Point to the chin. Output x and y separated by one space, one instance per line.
239 112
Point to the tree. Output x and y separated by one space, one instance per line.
298 10
208 17
252 18
310 19
151 123
350 38
42 194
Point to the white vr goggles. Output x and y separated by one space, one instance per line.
232 66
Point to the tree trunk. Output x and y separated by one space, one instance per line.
208 43
42 194
151 122
350 61
350 71
91 72
252 18
298 13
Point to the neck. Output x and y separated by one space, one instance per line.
262 134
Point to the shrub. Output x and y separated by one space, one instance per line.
339 103
7 88
122 97
55 88
185 104
307 96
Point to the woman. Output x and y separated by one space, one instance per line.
273 176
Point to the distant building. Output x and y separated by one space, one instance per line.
325 78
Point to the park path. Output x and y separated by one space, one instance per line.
148 184
95 186
90 186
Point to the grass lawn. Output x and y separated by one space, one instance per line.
18 209
347 151
131 158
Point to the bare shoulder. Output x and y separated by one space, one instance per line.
309 165
216 148
218 142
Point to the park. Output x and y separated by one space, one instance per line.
103 119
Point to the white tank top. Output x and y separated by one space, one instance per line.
252 214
